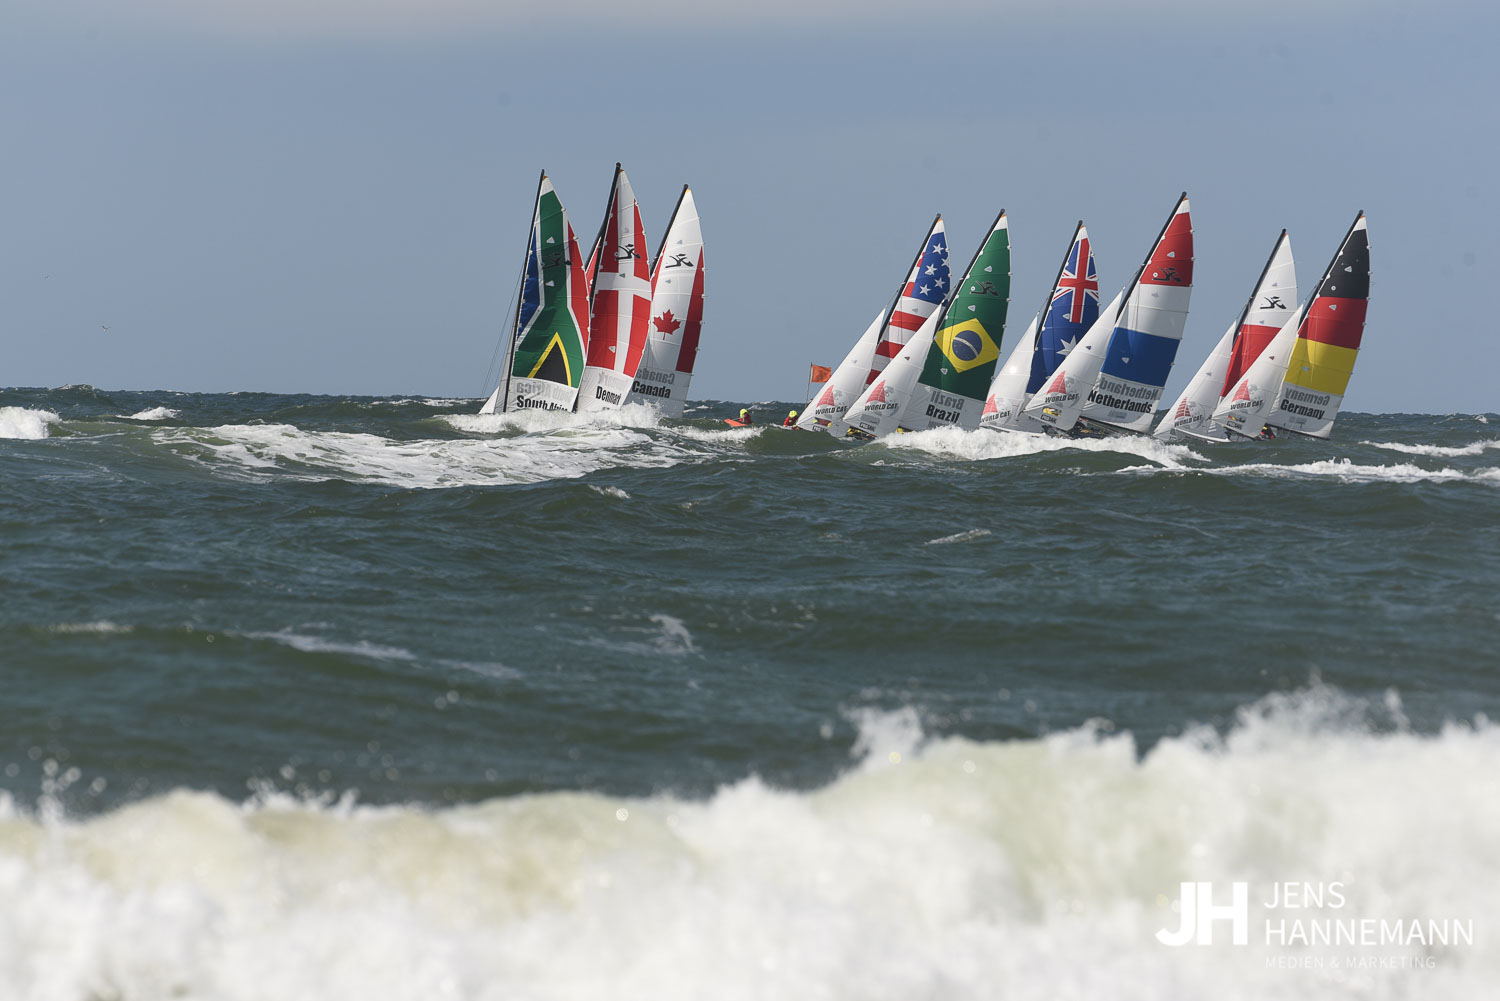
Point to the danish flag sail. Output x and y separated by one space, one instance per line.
1242 411
1328 340
1265 312
907 311
677 279
619 303
940 375
550 334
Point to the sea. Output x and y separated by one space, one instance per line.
321 697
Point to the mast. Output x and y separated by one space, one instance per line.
609 209
662 245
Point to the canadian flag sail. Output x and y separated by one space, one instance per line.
550 334
619 303
1271 302
677 280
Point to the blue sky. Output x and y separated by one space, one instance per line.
332 196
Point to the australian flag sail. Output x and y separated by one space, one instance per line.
926 287
1073 308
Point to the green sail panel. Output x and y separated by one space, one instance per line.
965 349
551 327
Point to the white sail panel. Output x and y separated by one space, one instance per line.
880 407
847 382
1007 396
1243 410
1192 411
677 294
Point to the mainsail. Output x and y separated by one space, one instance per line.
1265 312
1071 309
1146 335
847 381
619 303
942 372
960 362
676 313
551 329
1327 341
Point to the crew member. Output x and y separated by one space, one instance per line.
745 417
791 420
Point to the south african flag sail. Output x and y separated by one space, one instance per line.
550 336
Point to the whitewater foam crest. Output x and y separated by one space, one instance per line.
20 422
256 450
155 414
982 443
1473 448
935 868
1349 472
969 536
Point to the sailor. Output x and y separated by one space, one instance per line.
791 420
745 417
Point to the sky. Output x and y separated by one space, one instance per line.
333 196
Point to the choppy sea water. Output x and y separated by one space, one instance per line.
314 697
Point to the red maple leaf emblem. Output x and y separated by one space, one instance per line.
667 323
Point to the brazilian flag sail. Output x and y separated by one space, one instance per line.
552 320
966 345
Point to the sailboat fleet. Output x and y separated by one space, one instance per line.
1081 370
590 336
593 335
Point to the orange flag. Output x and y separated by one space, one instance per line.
820 374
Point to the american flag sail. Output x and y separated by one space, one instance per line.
926 287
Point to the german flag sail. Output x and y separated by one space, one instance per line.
1327 341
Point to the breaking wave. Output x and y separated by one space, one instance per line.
984 444
19 422
942 868
1475 448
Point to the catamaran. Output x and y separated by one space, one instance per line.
1266 312
925 289
1072 307
1111 380
550 332
1298 382
939 377
619 302
676 313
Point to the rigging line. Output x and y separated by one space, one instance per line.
490 372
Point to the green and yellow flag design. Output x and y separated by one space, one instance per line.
966 347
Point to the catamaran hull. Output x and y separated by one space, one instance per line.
539 394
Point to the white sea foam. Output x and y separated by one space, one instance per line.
983 444
1348 472
19 422
322 644
102 627
943 868
969 536
609 491
155 414
1474 448
559 452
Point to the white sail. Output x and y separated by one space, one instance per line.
847 382
1058 403
1007 396
1243 410
1192 411
878 410
677 281
1265 311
